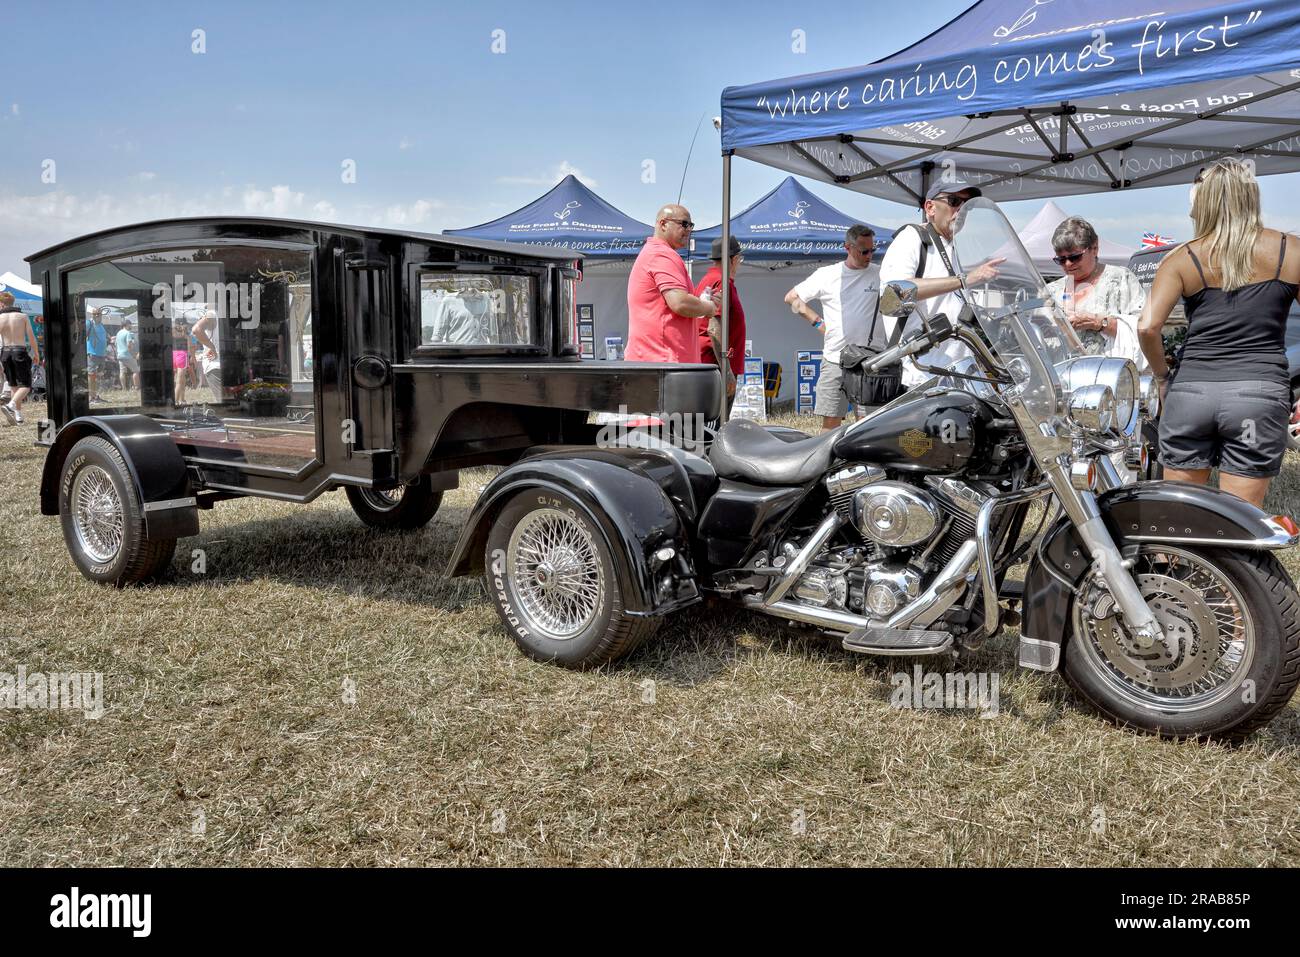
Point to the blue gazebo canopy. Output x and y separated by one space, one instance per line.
1033 98
788 223
570 216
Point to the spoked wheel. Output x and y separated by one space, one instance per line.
551 576
405 507
1230 658
103 519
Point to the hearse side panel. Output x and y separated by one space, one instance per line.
430 394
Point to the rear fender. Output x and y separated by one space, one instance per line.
622 493
156 466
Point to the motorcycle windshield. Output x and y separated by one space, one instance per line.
1022 324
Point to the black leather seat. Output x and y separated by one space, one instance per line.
745 451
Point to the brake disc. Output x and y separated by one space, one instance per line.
1191 644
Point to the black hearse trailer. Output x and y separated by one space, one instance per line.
285 359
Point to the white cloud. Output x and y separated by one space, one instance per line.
29 223
146 176
549 179
405 144
414 214
277 201
13 108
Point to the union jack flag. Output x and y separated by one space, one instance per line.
1151 240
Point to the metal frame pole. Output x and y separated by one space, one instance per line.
723 361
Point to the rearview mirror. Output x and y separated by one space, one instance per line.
898 298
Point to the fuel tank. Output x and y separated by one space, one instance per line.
928 431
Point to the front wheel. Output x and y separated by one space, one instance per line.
103 518
405 507
551 576
1230 659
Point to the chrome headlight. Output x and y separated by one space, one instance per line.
1119 375
1092 408
1149 391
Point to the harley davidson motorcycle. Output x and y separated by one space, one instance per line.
1161 602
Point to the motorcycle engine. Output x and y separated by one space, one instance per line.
908 533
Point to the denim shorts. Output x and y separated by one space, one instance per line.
1239 427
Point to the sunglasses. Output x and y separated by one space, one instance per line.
953 201
684 223
1071 259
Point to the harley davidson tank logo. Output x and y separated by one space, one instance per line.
915 443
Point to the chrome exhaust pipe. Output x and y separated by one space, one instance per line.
946 588
827 618
799 564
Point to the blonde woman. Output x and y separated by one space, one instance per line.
1102 302
1228 403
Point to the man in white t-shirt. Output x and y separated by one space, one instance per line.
848 293
937 288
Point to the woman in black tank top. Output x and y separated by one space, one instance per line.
1228 404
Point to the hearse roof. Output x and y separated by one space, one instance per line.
514 249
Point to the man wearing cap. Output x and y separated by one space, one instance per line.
661 309
924 254
848 293
710 330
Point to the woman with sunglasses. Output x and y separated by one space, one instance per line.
1102 302
1228 404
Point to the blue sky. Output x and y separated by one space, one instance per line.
443 131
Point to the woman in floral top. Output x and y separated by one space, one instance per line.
1102 302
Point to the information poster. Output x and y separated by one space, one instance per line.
750 402
586 330
809 369
614 348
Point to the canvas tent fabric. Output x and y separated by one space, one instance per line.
19 287
788 223
569 216
1037 98
1037 239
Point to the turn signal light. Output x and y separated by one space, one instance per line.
1288 523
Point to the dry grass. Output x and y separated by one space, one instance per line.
225 696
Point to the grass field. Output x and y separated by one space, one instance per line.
320 694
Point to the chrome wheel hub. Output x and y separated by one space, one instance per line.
555 573
1208 641
385 499
97 515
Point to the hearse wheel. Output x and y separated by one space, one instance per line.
551 576
406 507
103 518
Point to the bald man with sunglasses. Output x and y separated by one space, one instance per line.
661 309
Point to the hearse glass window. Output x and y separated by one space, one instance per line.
213 342
465 310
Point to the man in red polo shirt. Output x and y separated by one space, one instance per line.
661 309
712 282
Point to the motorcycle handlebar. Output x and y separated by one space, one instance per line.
924 340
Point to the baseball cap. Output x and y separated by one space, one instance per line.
715 249
953 186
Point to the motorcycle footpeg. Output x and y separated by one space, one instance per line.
898 641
